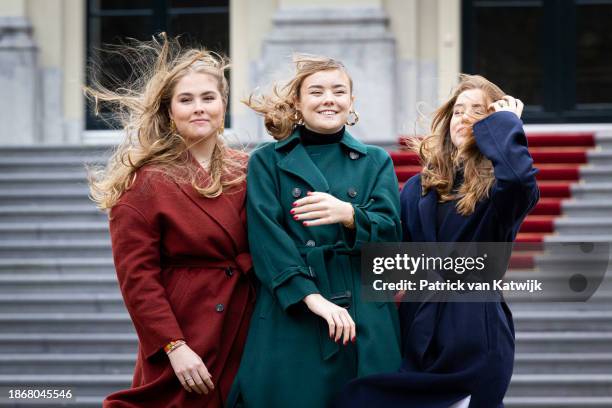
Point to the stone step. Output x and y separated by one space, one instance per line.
68 231
62 364
592 191
583 225
603 140
80 402
50 196
587 208
65 323
596 173
41 165
61 303
51 213
556 238
59 152
563 363
600 157
58 266
563 320
81 385
570 385
563 342
558 402
78 343
20 181
60 284
55 249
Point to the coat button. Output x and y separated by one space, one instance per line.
220 307
310 243
354 155
296 192
229 271
352 192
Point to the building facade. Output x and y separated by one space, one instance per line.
404 56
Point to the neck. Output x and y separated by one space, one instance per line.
202 151
324 131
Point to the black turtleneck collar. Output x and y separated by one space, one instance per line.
309 137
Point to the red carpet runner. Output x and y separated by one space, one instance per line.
558 157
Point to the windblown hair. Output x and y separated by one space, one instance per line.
142 105
278 107
440 158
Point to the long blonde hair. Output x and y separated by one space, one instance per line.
278 107
440 158
142 107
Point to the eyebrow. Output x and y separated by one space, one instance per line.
476 105
203 93
321 87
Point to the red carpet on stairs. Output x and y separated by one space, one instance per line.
558 158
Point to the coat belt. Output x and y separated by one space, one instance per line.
323 260
242 262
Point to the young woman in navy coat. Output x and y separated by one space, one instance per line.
477 184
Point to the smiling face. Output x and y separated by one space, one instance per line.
325 101
197 107
469 104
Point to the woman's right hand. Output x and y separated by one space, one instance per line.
190 370
340 322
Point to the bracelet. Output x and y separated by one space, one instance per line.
173 345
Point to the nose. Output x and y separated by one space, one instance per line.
328 98
198 107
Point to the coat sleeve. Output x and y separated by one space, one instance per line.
136 253
501 139
278 263
378 219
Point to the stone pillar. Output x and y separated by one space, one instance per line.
357 36
19 84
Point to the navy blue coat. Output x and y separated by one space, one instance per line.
452 350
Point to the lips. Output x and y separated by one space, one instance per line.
327 112
199 121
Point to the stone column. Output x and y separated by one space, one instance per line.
19 84
359 37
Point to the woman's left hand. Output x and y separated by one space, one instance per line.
510 104
321 209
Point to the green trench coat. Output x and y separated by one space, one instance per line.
289 360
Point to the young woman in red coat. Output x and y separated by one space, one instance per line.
176 198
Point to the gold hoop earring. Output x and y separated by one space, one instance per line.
354 120
221 129
298 118
172 127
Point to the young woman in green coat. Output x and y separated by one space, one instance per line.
313 198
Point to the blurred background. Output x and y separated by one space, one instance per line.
62 320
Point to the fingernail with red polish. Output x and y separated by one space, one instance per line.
354 339
292 212
295 204
295 217
305 223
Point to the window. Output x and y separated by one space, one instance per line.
198 22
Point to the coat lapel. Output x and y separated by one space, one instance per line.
298 162
220 209
428 206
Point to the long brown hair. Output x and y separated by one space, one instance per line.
278 107
440 158
142 107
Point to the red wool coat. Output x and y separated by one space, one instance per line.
184 270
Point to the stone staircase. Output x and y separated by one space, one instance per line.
63 324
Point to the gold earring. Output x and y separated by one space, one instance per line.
298 118
221 129
172 126
355 119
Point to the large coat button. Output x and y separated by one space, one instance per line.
310 243
296 192
229 271
354 155
352 192
220 307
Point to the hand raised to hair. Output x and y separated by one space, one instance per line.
510 104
